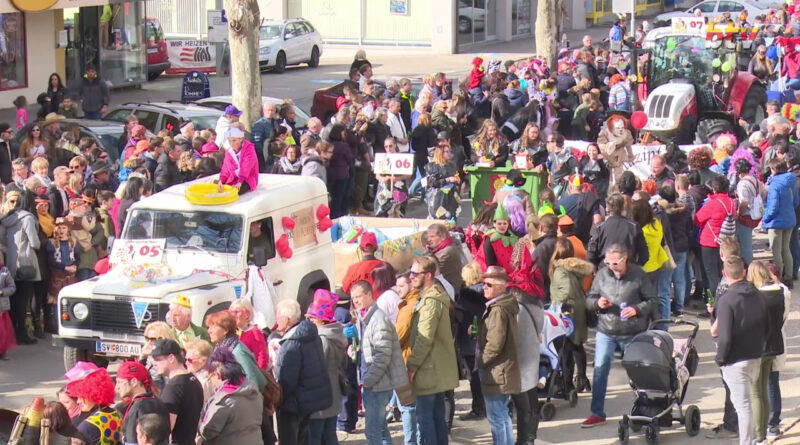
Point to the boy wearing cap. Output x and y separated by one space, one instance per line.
362 270
134 384
224 123
183 393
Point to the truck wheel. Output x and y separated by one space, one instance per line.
708 129
74 355
306 297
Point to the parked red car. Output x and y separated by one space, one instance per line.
157 58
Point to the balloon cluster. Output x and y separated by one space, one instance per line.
282 246
725 67
323 218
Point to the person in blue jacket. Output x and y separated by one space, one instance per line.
779 216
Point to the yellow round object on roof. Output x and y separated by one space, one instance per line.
209 195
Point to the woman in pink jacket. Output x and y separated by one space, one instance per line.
240 166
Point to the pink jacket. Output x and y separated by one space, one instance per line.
248 171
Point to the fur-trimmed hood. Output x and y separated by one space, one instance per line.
671 208
575 265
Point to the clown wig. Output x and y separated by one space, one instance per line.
614 118
96 388
516 214
742 153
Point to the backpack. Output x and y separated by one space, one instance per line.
756 210
728 227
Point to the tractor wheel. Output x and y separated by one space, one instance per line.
708 129
753 106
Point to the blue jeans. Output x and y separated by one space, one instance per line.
499 419
431 419
322 431
774 395
376 430
661 280
744 235
410 426
416 184
604 348
794 248
92 114
678 278
793 84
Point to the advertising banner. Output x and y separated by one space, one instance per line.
189 55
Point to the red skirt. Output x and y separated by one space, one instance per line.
8 340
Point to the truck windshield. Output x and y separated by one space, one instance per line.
211 231
681 57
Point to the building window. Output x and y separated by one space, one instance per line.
521 17
13 53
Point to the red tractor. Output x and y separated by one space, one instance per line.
694 89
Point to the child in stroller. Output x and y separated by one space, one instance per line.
659 367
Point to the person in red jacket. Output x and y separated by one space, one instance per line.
498 244
362 270
709 219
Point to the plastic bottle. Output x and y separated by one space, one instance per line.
711 299
622 308
356 350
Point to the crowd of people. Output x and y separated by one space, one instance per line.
610 250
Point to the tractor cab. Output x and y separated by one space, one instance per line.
693 87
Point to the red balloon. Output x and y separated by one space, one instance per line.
288 223
323 211
325 224
638 119
282 246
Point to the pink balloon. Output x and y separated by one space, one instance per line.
638 119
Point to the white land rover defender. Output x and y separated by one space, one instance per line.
171 246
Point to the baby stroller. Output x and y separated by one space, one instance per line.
557 327
659 368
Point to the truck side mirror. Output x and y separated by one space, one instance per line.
260 256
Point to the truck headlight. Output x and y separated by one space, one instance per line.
80 311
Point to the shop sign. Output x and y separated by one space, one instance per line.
42 5
190 55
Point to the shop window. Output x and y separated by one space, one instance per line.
13 53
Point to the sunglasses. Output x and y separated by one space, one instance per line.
151 339
489 285
36 130
615 263
193 360
413 274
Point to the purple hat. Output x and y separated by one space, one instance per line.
323 305
231 110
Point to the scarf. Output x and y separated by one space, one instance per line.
289 166
441 246
508 239
47 223
229 342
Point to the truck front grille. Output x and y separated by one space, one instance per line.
116 316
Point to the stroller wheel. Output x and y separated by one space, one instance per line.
548 411
651 433
572 397
692 420
623 433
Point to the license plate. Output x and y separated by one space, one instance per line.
152 50
111 348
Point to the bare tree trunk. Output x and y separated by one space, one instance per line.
244 20
546 33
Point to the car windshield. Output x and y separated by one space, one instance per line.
269 32
683 57
201 122
210 231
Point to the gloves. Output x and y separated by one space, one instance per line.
350 331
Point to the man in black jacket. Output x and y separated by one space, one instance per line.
6 155
617 229
167 173
624 298
740 331
59 200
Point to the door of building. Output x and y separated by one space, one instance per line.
83 48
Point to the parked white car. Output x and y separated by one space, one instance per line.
288 42
713 8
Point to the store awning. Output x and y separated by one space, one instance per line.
7 6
